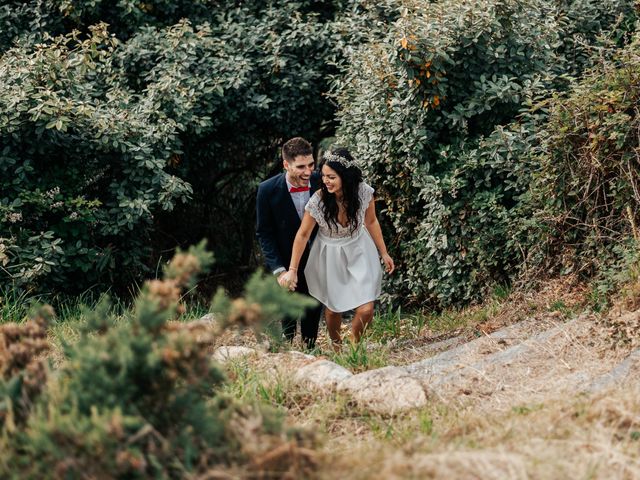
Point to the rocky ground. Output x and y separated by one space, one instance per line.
545 396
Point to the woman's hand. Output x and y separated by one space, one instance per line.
389 266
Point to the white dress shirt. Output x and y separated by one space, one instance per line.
300 199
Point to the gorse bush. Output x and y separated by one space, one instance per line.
140 398
437 110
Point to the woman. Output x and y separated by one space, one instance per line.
343 270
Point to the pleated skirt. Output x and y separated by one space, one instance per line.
344 273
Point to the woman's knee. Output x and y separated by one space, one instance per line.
365 311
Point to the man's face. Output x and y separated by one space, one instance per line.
299 170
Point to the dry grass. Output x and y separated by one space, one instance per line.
557 300
416 336
558 434
563 438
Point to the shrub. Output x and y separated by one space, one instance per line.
139 398
115 147
434 111
83 165
586 192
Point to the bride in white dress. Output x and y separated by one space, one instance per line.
343 270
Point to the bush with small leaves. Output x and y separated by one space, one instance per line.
443 112
586 191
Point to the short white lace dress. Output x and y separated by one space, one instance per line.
343 270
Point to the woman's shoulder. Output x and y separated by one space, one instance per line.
316 197
365 190
313 205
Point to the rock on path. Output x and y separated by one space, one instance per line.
519 364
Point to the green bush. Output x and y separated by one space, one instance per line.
437 112
586 192
115 147
140 398
82 165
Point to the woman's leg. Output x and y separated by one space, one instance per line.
334 322
361 319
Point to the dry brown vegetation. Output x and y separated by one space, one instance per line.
490 434
560 438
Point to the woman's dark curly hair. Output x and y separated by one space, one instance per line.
351 177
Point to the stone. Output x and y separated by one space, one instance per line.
387 390
283 364
322 375
207 319
226 353
618 374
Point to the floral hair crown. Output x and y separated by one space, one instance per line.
332 157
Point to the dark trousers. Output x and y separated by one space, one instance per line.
309 321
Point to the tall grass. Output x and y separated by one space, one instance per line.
394 323
356 357
14 305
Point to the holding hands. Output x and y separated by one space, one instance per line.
289 279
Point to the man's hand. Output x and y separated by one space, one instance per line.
281 279
289 280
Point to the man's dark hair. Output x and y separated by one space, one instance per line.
294 147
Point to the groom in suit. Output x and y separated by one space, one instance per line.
280 208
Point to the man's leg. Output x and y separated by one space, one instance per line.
309 325
311 317
289 328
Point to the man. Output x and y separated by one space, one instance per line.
280 208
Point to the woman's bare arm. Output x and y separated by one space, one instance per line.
299 243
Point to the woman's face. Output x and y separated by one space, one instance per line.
331 180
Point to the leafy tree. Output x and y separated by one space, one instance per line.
82 162
585 195
115 147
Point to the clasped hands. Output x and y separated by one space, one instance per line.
289 279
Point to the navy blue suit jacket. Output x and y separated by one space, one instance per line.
278 221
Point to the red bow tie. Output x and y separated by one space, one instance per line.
298 189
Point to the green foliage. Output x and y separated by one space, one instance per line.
435 111
81 176
272 69
109 137
263 306
587 190
356 357
393 323
14 305
127 16
133 399
119 142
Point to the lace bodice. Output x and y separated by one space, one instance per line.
315 207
